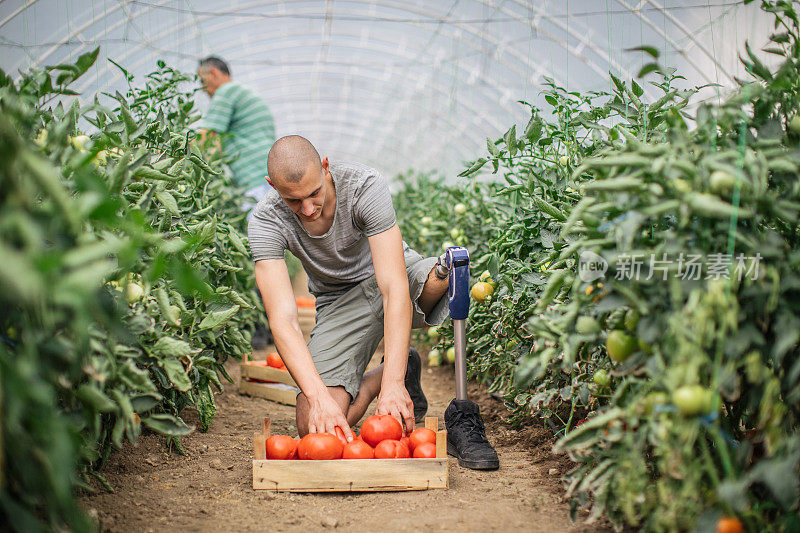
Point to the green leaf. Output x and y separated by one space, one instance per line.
94 398
218 318
533 131
86 60
652 51
167 425
492 147
176 374
510 138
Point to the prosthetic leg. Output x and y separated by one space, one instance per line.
466 434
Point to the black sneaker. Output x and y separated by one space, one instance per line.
414 385
466 436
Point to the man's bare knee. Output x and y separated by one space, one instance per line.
301 414
339 395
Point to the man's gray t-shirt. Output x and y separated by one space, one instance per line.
341 258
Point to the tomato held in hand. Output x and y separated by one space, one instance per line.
340 435
281 447
380 427
391 449
421 436
274 360
426 450
358 449
319 447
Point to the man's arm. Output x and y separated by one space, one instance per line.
390 272
272 278
210 137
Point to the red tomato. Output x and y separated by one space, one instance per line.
319 446
425 450
274 360
340 435
358 449
405 440
281 447
391 449
380 427
421 436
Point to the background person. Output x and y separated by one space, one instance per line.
242 115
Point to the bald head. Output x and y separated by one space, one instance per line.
291 157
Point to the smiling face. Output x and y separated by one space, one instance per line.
306 198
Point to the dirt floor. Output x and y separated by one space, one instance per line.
209 489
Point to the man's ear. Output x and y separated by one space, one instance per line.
269 181
325 163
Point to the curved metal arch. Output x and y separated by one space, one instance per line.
94 20
233 23
440 89
494 42
338 132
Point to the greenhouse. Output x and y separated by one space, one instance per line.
206 209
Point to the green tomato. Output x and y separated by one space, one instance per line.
447 245
460 209
79 141
426 221
485 276
601 378
692 400
451 354
682 186
433 332
455 233
620 345
722 182
631 320
587 325
434 358
564 160
133 292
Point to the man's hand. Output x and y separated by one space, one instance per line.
394 400
325 414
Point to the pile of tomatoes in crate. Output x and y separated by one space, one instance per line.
381 438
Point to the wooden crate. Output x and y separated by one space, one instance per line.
349 475
269 391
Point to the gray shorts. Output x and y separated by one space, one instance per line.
349 329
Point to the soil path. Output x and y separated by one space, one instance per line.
209 489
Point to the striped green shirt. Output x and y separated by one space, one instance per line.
242 114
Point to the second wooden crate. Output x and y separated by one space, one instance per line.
282 388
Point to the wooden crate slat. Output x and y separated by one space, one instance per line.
264 390
266 373
344 475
